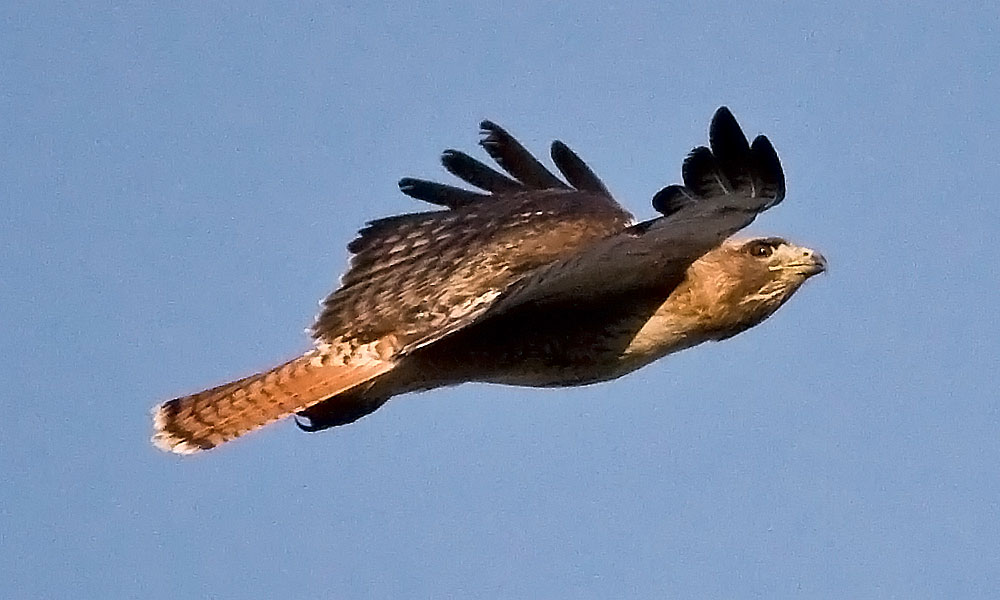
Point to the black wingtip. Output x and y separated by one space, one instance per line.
492 136
575 170
700 172
671 199
414 188
724 127
725 132
450 156
728 165
515 158
487 126
731 149
405 184
476 173
438 193
723 113
767 168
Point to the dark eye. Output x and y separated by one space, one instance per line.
760 249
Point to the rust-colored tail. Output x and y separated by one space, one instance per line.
204 420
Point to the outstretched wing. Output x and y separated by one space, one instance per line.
725 187
415 278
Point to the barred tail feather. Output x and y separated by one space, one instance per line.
204 420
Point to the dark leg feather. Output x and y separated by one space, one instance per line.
336 411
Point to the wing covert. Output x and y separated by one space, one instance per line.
420 276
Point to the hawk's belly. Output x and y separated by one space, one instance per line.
556 346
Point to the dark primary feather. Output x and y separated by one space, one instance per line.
672 198
475 173
576 172
768 176
439 193
515 159
702 175
731 150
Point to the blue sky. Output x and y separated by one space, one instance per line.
179 183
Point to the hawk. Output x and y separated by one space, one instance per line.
530 280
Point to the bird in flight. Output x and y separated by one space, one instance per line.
529 280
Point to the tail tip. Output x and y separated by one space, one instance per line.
168 441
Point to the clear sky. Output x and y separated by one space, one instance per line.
178 184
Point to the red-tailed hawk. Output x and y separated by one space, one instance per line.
533 281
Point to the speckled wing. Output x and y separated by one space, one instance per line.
725 187
415 278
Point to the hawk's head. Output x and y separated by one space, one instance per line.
742 282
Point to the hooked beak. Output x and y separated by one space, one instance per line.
811 263
814 263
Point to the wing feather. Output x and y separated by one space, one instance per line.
512 156
439 193
475 173
672 198
731 150
702 174
725 188
576 172
768 176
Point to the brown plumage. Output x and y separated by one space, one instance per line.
534 281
